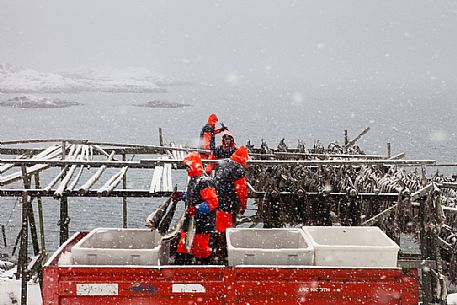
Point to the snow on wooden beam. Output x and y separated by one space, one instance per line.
5 167
326 156
397 157
451 185
352 142
445 209
42 141
166 179
63 184
379 216
83 156
56 178
422 192
102 151
90 193
85 188
113 181
45 156
156 180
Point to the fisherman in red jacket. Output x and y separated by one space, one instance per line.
201 202
207 135
231 185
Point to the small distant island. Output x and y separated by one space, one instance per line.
30 101
162 104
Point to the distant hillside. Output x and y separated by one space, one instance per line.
15 79
30 101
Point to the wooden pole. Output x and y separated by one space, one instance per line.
346 140
160 137
40 214
63 150
389 152
425 253
124 199
18 238
64 220
22 269
30 215
352 142
33 229
22 260
4 236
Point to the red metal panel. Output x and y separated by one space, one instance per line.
50 286
212 285
143 285
322 286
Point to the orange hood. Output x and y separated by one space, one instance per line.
194 161
213 119
241 156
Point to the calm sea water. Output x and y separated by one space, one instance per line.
419 122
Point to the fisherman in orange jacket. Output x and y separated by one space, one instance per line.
232 191
201 202
207 135
231 185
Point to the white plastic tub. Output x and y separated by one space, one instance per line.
340 246
285 246
119 247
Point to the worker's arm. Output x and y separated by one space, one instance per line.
241 189
210 167
206 140
209 195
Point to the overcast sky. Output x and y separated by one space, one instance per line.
412 41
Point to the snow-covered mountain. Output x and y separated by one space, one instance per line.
31 101
23 80
117 80
18 79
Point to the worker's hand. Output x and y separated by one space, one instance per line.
242 211
176 196
192 211
203 208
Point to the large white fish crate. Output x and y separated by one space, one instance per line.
283 246
352 246
119 247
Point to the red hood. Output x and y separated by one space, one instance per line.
213 119
241 156
195 162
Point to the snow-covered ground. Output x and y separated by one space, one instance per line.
10 289
10 292
452 299
15 79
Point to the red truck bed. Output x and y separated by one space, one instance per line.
224 285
